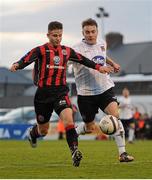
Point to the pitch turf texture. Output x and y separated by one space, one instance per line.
51 159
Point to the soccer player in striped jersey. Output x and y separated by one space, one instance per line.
52 93
95 90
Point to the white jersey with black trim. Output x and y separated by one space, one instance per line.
89 81
126 108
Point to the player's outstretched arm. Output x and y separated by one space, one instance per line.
26 60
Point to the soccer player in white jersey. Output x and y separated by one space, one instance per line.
95 90
126 114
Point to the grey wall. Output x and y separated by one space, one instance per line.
16 101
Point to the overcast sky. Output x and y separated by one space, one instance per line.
23 23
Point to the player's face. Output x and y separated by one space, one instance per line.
125 92
90 34
55 37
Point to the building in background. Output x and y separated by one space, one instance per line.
133 57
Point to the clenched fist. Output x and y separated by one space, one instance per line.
14 67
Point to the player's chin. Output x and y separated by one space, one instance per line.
56 43
91 42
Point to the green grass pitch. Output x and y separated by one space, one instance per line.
51 159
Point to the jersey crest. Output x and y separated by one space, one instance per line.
56 60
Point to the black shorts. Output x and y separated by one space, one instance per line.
89 105
48 99
126 122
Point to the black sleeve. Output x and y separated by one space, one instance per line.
30 57
79 58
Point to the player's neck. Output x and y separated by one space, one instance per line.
53 46
85 41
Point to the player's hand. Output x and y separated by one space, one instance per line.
106 69
116 67
14 67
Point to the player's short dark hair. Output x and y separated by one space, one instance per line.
54 25
89 22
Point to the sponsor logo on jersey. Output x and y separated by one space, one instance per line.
99 60
62 102
114 97
56 60
47 50
54 67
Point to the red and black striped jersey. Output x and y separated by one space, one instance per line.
50 63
